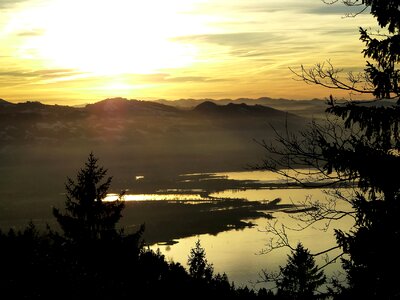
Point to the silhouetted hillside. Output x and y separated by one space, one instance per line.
137 122
206 106
42 144
242 109
4 103
123 120
122 105
305 108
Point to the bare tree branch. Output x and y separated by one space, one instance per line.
331 261
279 238
324 74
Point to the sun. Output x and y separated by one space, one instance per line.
114 37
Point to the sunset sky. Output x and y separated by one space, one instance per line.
80 51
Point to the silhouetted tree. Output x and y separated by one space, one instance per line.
87 215
94 261
203 280
300 278
364 149
199 268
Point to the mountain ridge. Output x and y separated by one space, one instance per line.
305 108
187 102
40 144
122 106
5 103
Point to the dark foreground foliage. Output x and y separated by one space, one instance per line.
46 266
359 144
91 259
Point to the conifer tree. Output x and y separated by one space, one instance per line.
373 158
300 278
365 151
87 216
199 267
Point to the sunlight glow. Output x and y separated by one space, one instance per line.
110 38
74 51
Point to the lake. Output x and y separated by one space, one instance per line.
238 253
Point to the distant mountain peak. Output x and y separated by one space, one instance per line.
236 109
5 103
109 101
206 106
117 105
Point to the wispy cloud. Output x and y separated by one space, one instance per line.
4 4
274 6
183 79
14 78
161 78
53 73
230 39
28 33
258 6
334 9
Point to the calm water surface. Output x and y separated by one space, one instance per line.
237 252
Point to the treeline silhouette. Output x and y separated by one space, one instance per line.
88 258
46 266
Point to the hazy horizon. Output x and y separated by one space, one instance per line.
154 99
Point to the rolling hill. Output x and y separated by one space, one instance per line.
40 145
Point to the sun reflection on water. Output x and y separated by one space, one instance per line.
158 197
